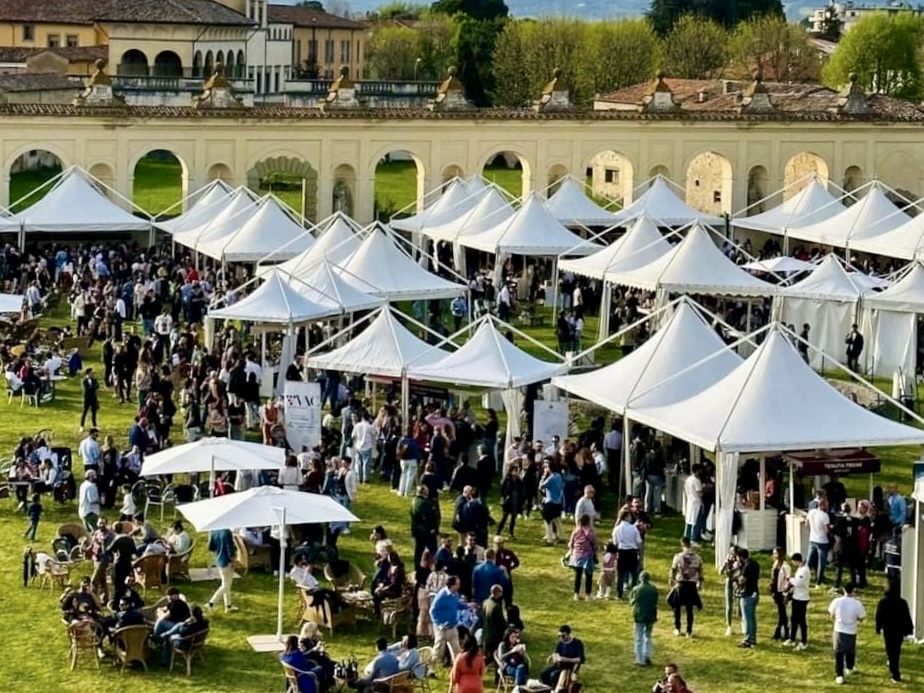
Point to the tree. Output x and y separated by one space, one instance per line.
513 86
774 49
397 10
831 25
695 48
476 9
884 52
340 8
312 4
392 52
437 42
664 14
618 54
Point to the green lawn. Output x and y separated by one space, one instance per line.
36 645
158 185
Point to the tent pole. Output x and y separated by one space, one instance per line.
606 299
792 487
762 481
405 399
282 572
626 459
553 288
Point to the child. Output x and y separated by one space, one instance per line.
128 510
35 512
608 574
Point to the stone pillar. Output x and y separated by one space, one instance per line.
325 204
364 204
5 190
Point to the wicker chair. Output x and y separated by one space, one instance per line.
189 648
55 574
422 685
130 644
396 611
324 614
247 557
352 579
178 564
84 641
149 571
77 531
397 683
292 676
150 611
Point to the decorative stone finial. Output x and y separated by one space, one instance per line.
342 92
217 92
98 89
755 98
852 99
450 95
661 98
555 95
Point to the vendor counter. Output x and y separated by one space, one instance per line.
758 529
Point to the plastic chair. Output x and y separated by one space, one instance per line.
159 496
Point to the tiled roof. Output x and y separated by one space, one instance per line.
307 16
882 109
90 11
72 53
37 81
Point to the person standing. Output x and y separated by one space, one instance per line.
846 611
553 488
467 669
90 387
693 495
780 578
221 543
444 614
511 492
89 507
425 523
363 437
819 523
628 542
800 581
893 621
90 451
750 594
644 601
612 444
854 342
582 547
686 579
585 506
731 569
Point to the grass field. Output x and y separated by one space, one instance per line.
36 644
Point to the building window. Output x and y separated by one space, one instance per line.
28 32
73 40
313 51
345 52
54 40
611 175
717 197
329 51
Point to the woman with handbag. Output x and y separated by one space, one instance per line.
582 548
686 578
780 591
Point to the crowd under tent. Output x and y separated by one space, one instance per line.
770 403
455 200
811 205
660 202
571 206
827 301
336 238
890 323
870 216
381 263
207 202
76 202
240 206
696 265
271 230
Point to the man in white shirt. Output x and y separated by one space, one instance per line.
251 366
504 302
693 497
846 612
52 364
801 581
612 445
819 523
628 542
585 506
88 507
89 450
363 437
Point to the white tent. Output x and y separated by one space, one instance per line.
487 360
75 204
11 303
696 266
905 241
208 202
772 402
271 230
639 246
384 347
890 323
662 203
780 265
455 200
870 216
279 301
812 204
210 455
571 206
239 207
531 231
492 209
827 301
335 240
381 263
326 283
684 341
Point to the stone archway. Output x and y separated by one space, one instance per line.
799 170
611 176
220 172
758 189
104 174
343 193
293 180
452 171
556 175
709 183
28 173
509 169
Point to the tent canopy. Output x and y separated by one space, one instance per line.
74 204
695 265
335 240
207 203
240 206
905 241
639 246
278 300
326 283
213 455
662 203
487 360
774 402
382 264
455 200
829 281
780 265
531 231
870 216
684 340
811 205
904 296
271 230
572 207
384 347
491 209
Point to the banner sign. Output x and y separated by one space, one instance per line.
550 419
302 402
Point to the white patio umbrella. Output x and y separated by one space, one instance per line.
264 506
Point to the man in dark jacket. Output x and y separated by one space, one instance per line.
90 387
893 620
644 601
425 523
486 467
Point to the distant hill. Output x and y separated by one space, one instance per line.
586 9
